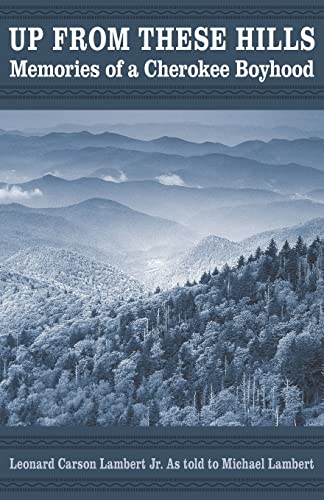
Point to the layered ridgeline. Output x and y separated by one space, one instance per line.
158 252
233 213
280 165
214 170
151 197
243 347
97 228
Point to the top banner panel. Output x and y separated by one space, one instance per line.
148 56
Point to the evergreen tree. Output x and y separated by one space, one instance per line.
300 247
272 249
215 272
258 253
240 262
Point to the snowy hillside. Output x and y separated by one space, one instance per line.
208 253
33 305
75 272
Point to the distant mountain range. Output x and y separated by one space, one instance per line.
153 249
230 134
84 139
109 224
233 213
304 151
245 220
97 228
174 202
222 168
279 164
23 227
226 171
149 207
279 148
207 171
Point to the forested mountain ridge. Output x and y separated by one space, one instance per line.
245 346
214 251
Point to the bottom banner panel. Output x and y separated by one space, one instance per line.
160 462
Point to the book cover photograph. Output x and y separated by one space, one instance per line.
150 279
161 250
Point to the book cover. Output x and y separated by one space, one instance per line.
161 250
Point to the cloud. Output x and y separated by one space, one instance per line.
171 180
55 173
121 178
10 194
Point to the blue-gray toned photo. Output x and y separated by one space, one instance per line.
162 268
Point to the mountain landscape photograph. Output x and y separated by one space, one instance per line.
162 268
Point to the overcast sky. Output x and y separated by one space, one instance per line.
307 120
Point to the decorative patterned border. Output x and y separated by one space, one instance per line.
160 442
156 14
172 96
165 485
158 90
163 10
